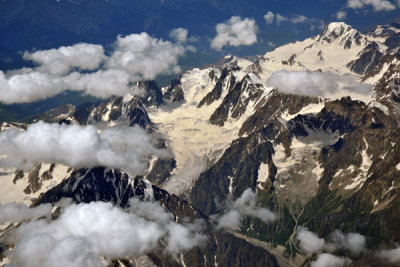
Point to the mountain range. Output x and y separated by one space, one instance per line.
311 128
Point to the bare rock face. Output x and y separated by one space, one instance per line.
174 92
368 59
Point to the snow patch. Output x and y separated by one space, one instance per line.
359 180
313 108
263 173
380 106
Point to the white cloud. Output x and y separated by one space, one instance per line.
85 233
128 148
390 255
144 57
179 34
269 17
135 57
235 32
31 86
353 242
102 83
309 241
299 19
329 260
16 212
27 87
271 44
60 61
280 18
294 19
378 5
326 84
340 15
242 207
179 237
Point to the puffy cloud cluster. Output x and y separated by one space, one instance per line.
390 255
326 84
60 61
144 57
311 243
179 34
135 57
270 17
128 148
92 234
242 207
378 5
16 212
329 260
35 85
235 32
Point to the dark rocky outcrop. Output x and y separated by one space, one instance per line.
367 59
161 170
174 92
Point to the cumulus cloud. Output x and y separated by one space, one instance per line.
390 255
85 233
27 87
135 57
326 84
329 260
279 18
16 212
31 86
299 19
179 34
128 148
378 5
311 243
340 15
353 242
269 17
60 61
145 57
102 83
180 237
242 207
235 32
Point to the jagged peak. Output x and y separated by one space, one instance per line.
342 33
335 30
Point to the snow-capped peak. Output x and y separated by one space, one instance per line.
336 27
342 33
